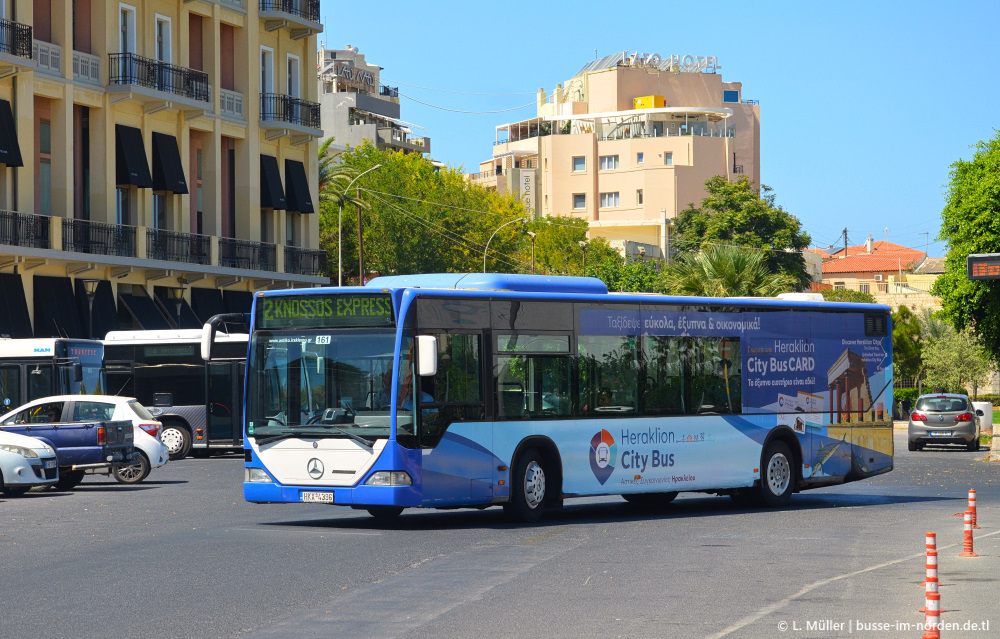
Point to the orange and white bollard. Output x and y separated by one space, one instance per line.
972 508
967 543
931 579
932 618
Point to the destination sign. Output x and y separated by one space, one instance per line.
983 266
328 310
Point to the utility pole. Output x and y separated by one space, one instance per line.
845 242
361 243
927 242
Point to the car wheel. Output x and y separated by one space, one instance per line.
69 480
527 489
650 500
974 445
133 473
912 446
777 481
177 440
12 491
385 514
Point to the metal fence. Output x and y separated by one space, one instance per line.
308 9
301 261
24 229
129 68
246 254
98 238
278 107
15 39
177 247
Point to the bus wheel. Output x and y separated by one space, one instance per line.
777 482
69 480
650 500
527 489
134 473
177 439
385 514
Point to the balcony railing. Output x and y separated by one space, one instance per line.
245 254
484 175
98 238
86 68
24 229
307 9
301 261
277 107
129 68
173 246
751 102
231 103
737 168
389 92
48 56
15 39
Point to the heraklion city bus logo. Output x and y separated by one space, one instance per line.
603 452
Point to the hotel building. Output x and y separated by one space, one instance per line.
157 160
627 143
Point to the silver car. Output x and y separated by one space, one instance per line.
944 418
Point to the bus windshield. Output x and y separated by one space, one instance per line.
325 383
79 368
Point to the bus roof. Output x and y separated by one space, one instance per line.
171 336
33 347
495 282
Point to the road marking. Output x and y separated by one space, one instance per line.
766 610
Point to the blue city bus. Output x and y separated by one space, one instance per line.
474 390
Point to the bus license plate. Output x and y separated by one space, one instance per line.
51 463
320 497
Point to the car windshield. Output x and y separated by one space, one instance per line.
140 410
329 383
941 404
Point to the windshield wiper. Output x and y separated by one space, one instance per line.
356 438
267 439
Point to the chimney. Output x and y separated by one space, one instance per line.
869 244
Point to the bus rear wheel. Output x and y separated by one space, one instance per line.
177 440
527 488
777 479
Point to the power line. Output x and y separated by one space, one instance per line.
435 106
417 86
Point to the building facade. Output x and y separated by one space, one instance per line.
158 155
627 143
355 106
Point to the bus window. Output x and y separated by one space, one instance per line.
609 374
10 387
536 383
692 376
40 382
664 391
455 393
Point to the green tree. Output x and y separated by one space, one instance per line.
847 295
557 245
739 214
724 271
970 223
955 362
907 343
621 274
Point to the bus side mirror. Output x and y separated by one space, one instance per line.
78 372
207 337
427 353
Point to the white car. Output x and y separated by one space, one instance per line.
81 408
26 462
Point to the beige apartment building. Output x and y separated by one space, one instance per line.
157 160
627 143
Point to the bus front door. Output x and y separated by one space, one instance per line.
224 404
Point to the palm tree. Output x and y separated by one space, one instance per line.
724 271
334 177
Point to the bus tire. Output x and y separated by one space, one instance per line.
650 500
177 439
69 479
385 514
777 478
133 473
527 488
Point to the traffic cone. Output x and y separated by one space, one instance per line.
967 543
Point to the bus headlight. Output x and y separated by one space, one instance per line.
389 478
257 476
27 453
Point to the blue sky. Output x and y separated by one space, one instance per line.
864 105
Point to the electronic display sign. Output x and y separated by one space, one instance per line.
325 310
984 266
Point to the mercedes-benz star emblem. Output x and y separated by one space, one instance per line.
315 468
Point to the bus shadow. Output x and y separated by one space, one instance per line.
594 513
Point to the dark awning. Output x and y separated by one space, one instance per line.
297 188
168 172
271 194
238 301
10 150
143 311
14 319
105 314
55 309
168 306
207 302
130 158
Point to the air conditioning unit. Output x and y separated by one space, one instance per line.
878 278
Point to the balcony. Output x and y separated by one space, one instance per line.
302 261
48 56
299 17
282 115
232 4
173 246
231 104
98 238
15 48
398 139
86 68
247 255
158 85
24 229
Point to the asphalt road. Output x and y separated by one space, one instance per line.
182 555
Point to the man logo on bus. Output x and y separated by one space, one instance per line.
603 452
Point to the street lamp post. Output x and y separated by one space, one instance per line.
583 247
90 288
178 294
532 234
340 217
487 249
